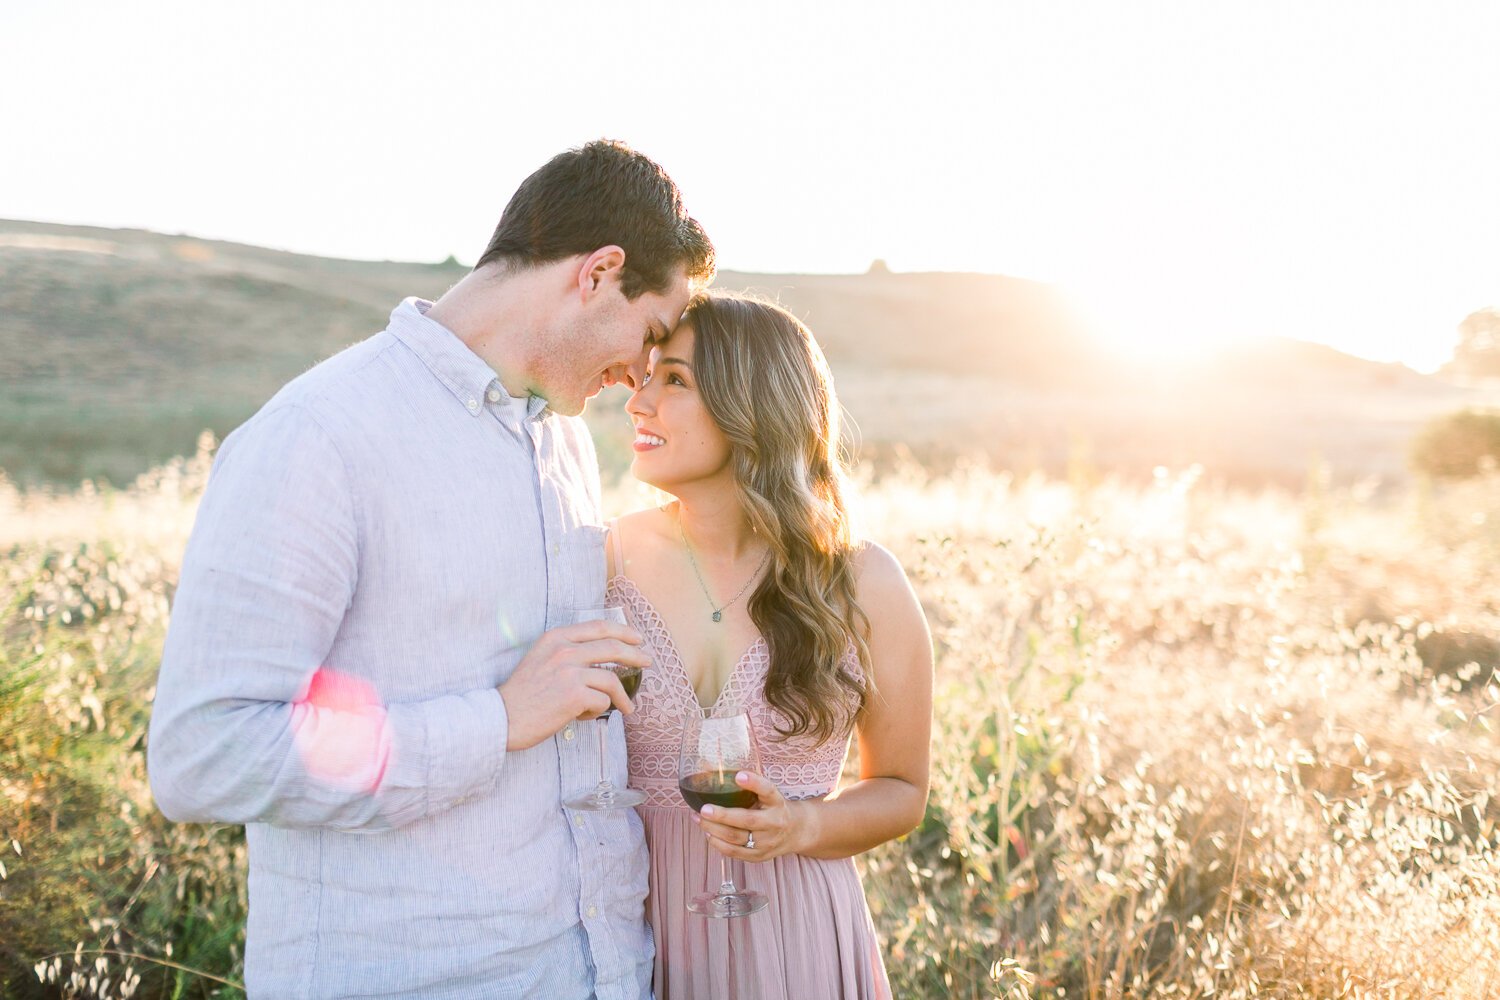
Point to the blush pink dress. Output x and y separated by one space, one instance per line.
815 939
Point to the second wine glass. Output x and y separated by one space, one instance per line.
714 750
605 795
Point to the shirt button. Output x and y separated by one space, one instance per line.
473 405
577 820
593 911
493 395
568 731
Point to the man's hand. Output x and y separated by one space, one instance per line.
557 682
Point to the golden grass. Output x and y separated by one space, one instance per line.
1188 743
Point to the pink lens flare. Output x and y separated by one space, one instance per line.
340 729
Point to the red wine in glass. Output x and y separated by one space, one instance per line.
630 680
715 789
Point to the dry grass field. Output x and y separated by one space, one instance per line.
1215 686
1190 741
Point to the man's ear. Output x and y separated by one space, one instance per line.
600 269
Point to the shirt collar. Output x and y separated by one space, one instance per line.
459 369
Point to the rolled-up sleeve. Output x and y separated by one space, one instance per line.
238 731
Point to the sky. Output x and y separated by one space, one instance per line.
1185 171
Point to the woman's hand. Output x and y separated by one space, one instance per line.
779 826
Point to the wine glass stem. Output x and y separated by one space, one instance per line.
726 887
603 748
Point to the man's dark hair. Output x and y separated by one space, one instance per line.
603 194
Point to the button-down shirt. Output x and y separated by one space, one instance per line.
391 522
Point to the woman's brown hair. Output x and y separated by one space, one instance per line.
766 385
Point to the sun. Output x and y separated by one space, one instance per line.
1147 322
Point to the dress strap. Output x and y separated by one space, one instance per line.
617 544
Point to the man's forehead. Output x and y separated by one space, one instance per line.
677 298
682 293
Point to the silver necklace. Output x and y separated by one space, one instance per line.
718 611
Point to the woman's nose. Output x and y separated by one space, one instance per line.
637 405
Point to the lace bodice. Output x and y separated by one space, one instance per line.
799 767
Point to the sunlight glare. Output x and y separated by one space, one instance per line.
1141 321
507 629
340 729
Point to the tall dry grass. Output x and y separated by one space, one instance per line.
99 896
1188 743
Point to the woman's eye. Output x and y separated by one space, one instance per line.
675 380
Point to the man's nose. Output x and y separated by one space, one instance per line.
620 375
633 375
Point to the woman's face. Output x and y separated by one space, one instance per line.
677 443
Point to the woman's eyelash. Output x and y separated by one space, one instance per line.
671 378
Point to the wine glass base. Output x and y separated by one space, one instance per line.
615 798
733 904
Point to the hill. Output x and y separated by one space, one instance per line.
118 347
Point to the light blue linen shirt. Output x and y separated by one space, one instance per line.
390 517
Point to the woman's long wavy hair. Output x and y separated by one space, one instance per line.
766 385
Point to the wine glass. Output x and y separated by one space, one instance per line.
605 795
714 749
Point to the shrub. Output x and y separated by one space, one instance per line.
1459 445
99 895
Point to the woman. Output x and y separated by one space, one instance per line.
751 593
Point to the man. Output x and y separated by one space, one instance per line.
371 663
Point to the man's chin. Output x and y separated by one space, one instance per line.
569 408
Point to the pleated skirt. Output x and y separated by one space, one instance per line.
814 941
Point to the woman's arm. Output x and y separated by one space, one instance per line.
894 732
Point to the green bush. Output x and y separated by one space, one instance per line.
1459 445
100 897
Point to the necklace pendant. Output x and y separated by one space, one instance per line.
718 616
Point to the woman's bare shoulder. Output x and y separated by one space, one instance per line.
636 534
648 521
878 574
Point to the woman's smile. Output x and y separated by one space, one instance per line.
646 441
